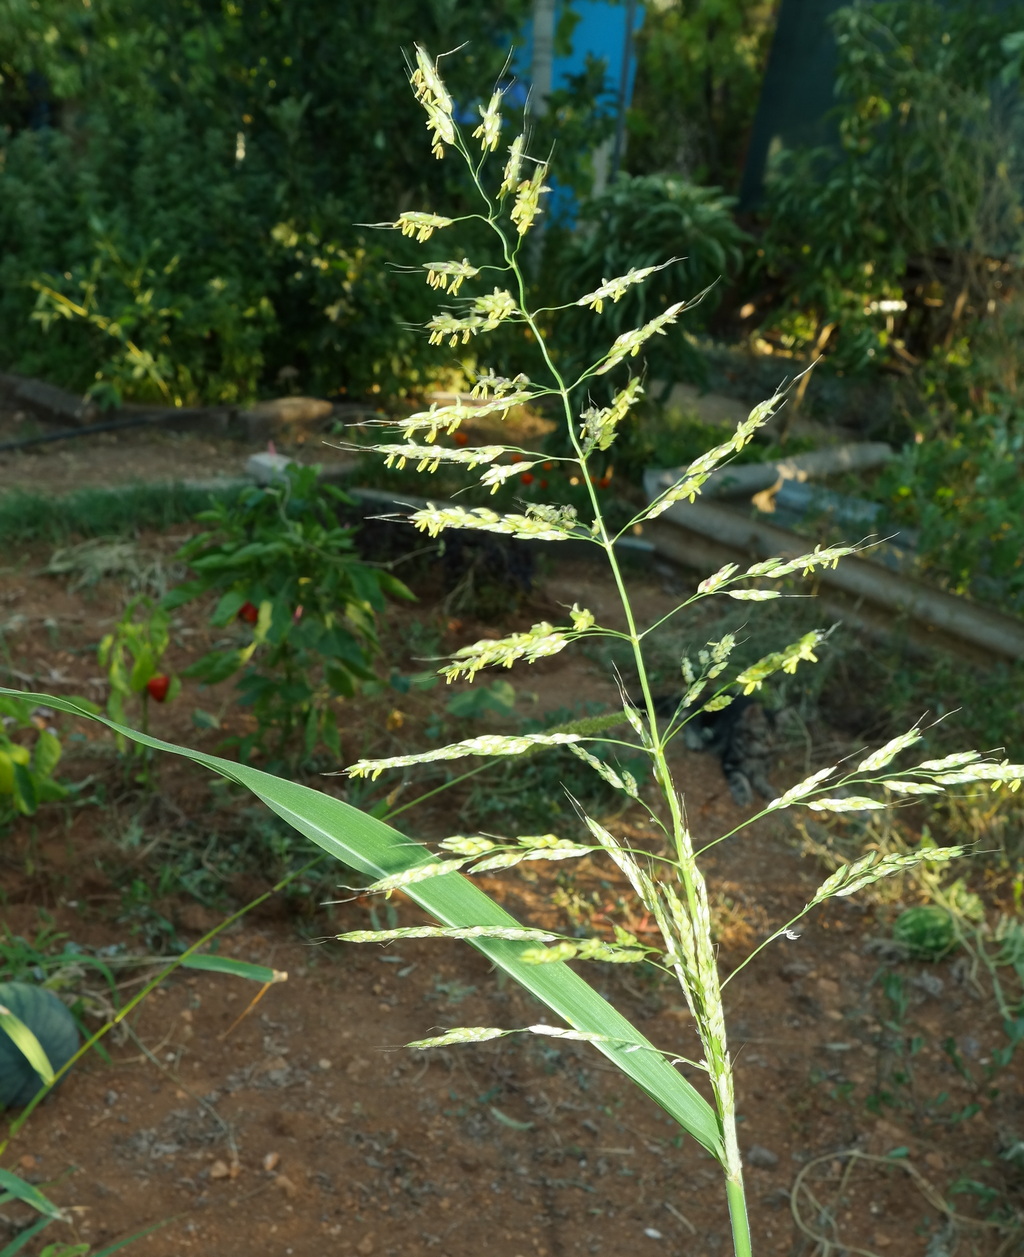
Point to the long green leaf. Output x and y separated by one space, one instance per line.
20 1240
236 968
29 1195
376 850
26 1043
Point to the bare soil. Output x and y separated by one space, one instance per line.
306 1128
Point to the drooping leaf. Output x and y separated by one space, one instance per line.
377 851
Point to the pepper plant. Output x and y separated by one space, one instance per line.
301 603
669 884
28 760
132 654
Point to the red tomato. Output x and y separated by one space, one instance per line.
158 687
248 613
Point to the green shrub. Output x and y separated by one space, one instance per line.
649 221
28 760
886 239
289 585
183 135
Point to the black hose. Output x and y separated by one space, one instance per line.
66 434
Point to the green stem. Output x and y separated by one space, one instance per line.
738 1217
706 996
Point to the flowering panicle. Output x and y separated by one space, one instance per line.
849 878
805 564
496 476
599 425
430 457
444 327
625 781
886 754
511 933
540 642
449 276
488 744
751 678
616 288
433 520
480 1034
694 477
486 313
801 790
489 130
630 343
432 94
528 195
419 224
495 308
488 384
431 422
715 581
513 166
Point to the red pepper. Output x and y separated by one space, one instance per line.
248 613
158 687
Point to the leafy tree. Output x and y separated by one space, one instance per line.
186 228
700 65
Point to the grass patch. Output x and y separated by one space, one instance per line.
123 511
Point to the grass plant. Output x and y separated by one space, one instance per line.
116 512
668 884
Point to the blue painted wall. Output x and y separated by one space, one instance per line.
600 31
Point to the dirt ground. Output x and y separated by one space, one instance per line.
306 1128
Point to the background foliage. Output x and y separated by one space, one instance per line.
154 150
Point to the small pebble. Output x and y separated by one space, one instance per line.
271 1161
651 1233
324 1063
219 1169
763 1157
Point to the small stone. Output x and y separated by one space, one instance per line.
220 1169
287 1186
930 983
271 1161
28 1161
764 1158
935 1160
324 1063
651 1233
365 1245
794 970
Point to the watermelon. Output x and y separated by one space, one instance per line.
51 1023
927 931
